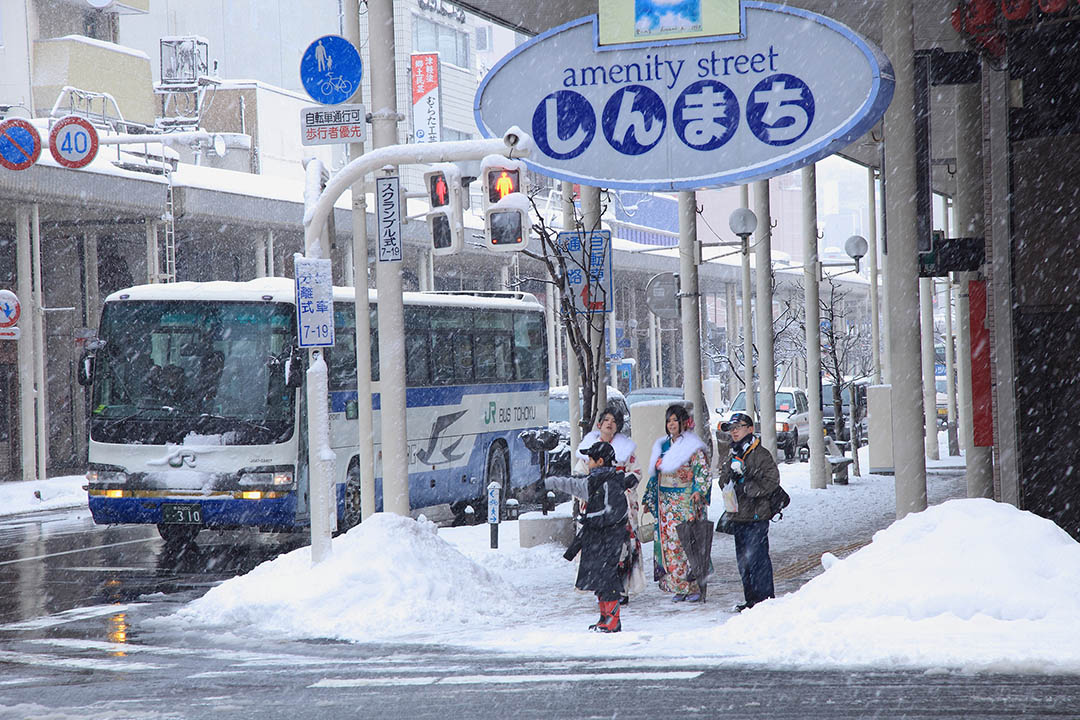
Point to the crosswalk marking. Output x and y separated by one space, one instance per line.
55 661
506 679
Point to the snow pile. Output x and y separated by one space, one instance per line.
972 583
387 578
52 494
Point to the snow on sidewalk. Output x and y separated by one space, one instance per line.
33 495
966 585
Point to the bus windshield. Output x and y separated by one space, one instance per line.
174 370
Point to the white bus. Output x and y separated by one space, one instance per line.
195 420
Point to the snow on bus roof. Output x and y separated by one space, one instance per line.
277 289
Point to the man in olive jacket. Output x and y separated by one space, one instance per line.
755 475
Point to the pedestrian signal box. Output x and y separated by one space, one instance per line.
506 203
445 220
506 229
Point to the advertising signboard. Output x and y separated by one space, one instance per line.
426 100
683 115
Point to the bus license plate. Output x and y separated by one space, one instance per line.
181 514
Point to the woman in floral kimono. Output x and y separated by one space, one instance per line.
678 490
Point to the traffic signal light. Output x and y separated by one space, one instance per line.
445 220
506 205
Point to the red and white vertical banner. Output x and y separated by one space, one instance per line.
427 105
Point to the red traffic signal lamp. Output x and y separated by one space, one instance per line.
445 220
506 204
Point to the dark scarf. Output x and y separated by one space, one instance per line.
739 449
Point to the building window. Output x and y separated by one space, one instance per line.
451 44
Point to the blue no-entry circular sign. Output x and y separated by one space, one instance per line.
20 144
331 70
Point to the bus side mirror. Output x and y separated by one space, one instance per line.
85 373
294 368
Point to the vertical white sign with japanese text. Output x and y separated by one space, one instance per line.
314 301
388 207
589 270
426 101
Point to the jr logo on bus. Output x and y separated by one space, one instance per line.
510 414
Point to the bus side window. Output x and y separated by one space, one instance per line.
530 350
493 346
416 346
341 359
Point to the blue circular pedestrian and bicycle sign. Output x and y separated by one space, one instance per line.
330 70
20 144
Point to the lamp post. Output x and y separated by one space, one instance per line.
743 222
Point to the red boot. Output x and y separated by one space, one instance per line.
609 618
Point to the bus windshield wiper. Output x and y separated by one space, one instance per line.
248 423
139 412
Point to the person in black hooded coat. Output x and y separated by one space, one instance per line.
603 532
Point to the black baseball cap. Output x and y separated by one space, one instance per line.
736 419
602 451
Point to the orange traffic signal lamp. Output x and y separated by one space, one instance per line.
501 182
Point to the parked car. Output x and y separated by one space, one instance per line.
558 458
828 409
792 418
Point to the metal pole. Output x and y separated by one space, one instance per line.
560 338
950 357
812 311
929 384
573 372
552 348
875 316
901 225
365 430
393 431
260 256
25 350
590 220
689 305
652 350
747 317
950 371
731 331
968 206
270 253
38 316
152 267
763 274
659 353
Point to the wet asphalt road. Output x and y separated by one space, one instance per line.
81 637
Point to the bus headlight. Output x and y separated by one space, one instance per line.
276 478
106 477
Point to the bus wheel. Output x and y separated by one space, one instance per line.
351 513
178 535
498 470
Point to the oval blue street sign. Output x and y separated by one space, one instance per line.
792 88
330 70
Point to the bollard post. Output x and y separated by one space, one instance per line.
493 512
549 502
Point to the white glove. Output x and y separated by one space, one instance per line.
737 466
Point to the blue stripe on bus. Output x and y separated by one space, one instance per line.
435 396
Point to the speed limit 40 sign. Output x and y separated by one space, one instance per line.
73 142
